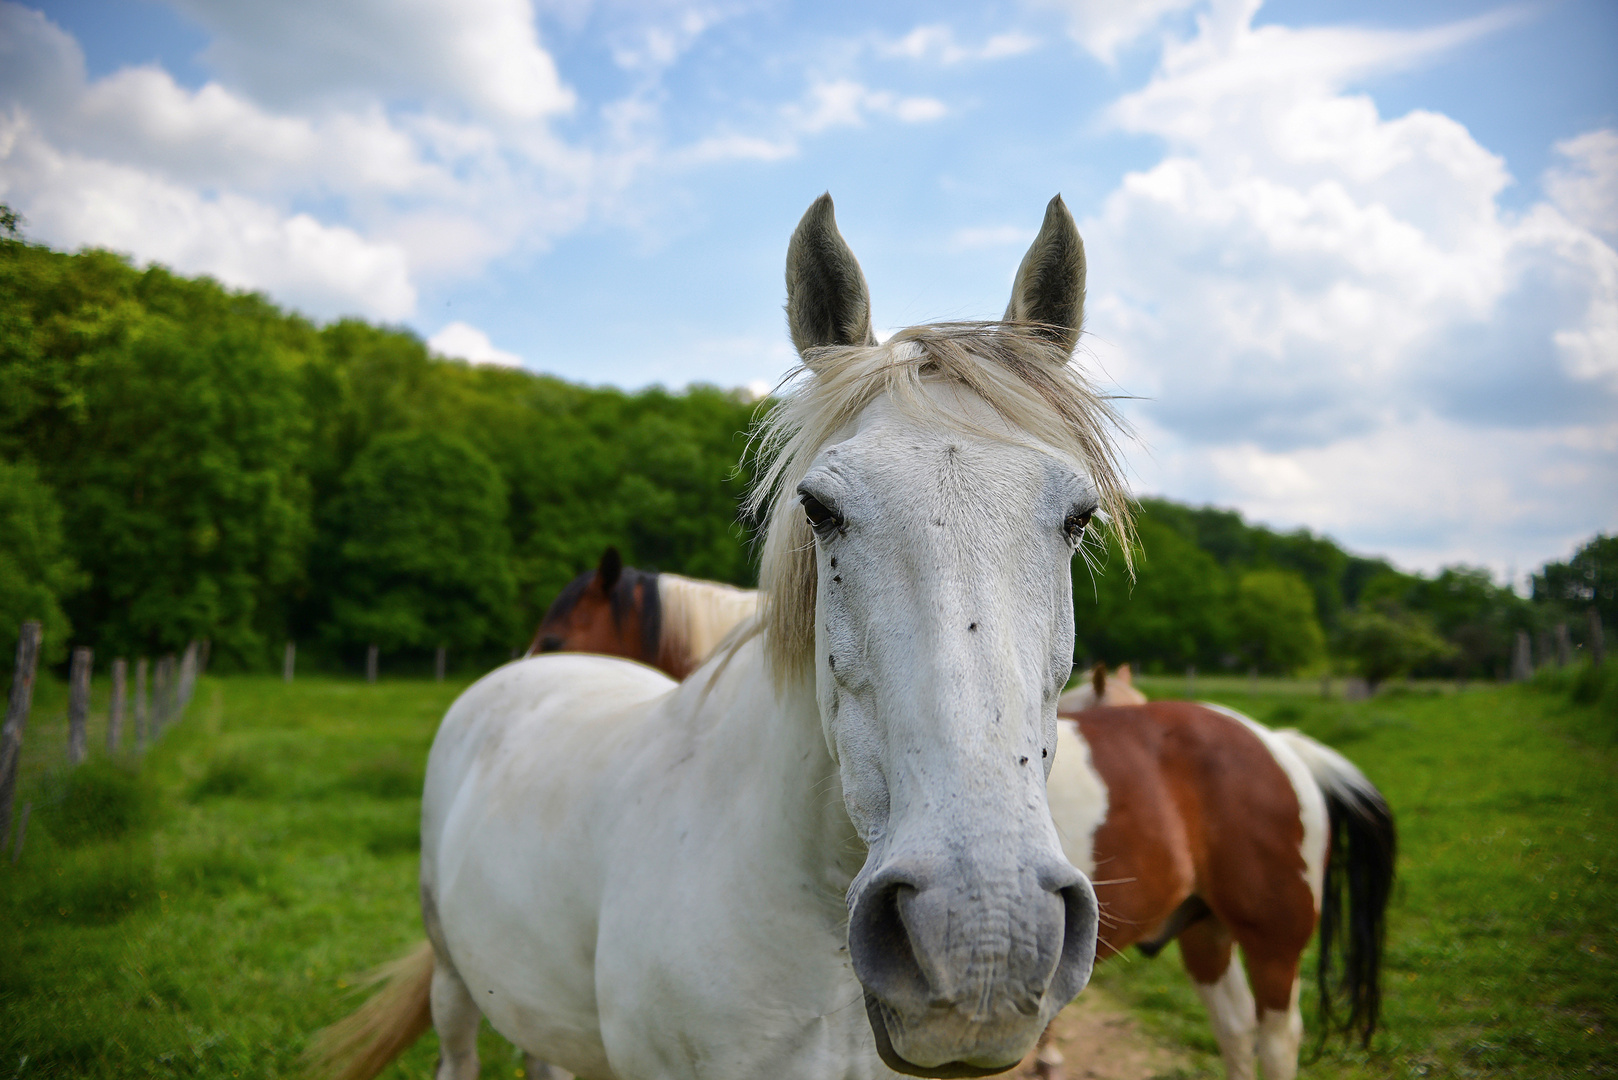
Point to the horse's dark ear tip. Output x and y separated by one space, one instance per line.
610 568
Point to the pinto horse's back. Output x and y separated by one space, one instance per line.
1200 804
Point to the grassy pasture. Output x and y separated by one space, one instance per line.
202 916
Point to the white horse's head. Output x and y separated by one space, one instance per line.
926 497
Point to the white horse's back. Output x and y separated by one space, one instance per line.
514 781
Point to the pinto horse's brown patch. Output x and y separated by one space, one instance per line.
613 610
1198 806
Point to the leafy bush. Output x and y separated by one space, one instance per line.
1592 692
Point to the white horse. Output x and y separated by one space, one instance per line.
829 852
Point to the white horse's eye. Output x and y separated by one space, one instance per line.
821 517
1075 523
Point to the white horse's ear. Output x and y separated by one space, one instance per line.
1049 290
827 299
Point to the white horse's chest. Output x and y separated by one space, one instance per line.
1077 796
624 915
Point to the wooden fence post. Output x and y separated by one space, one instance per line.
1564 646
289 659
115 708
78 704
22 832
1522 658
202 656
22 699
187 683
160 696
370 664
142 713
171 683
1191 680
438 664
1598 644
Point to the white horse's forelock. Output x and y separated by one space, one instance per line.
1028 379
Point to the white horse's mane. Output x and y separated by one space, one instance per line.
1028 379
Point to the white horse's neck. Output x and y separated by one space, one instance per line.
696 617
773 740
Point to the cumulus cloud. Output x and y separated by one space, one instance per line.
464 341
1585 186
482 54
76 201
1330 312
214 180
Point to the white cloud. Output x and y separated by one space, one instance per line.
466 342
1105 27
75 202
1424 491
209 180
482 54
1586 187
846 103
1331 315
937 43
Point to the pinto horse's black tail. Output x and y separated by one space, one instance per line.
1359 863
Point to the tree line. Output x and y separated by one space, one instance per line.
183 461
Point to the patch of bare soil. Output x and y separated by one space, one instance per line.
1095 1038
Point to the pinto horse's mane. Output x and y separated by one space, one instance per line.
697 616
1025 376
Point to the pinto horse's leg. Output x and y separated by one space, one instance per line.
1274 973
1280 1033
455 1018
1206 950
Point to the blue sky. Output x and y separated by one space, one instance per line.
1354 263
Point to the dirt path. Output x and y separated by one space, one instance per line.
1098 1040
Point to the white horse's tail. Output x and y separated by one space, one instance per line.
362 1044
1361 863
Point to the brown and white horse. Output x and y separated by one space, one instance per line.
1196 824
1103 687
665 620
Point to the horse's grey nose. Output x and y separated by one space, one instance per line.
923 941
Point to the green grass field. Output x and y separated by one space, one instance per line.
200 917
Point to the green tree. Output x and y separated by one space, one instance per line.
1384 640
36 572
1588 580
1176 612
422 554
163 412
1274 622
